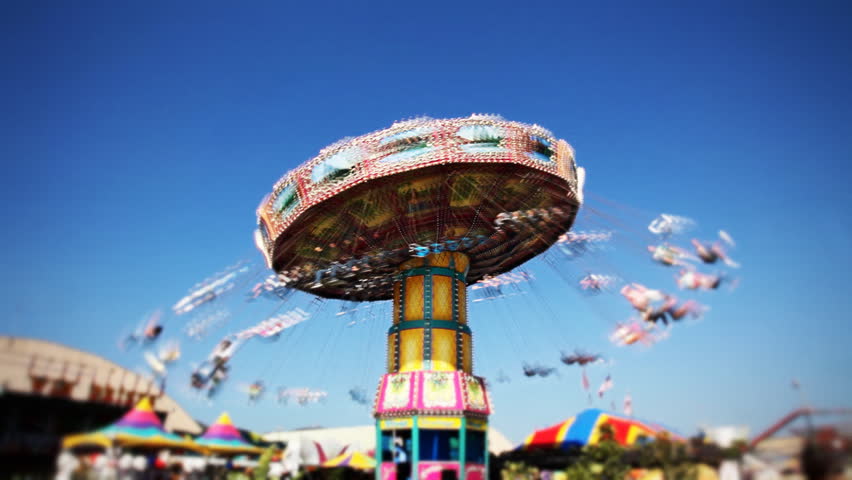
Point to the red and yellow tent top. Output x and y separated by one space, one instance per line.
584 429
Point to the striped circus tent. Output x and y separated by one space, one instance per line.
353 460
223 438
584 429
138 428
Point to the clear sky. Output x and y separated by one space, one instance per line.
138 138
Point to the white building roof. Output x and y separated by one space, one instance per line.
38 367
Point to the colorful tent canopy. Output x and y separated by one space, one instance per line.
584 429
223 438
140 427
352 459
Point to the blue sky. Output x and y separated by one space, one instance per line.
138 139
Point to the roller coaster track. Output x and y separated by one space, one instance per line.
791 417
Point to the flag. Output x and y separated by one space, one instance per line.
628 405
606 385
585 381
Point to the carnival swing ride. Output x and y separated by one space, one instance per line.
414 214
399 223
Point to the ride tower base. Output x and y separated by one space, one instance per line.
431 411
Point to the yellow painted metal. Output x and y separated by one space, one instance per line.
396 423
397 286
442 298
411 350
443 350
413 298
409 347
462 263
467 353
439 423
392 366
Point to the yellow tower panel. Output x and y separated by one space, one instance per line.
442 298
441 259
411 350
412 263
414 298
396 290
462 262
467 354
443 350
392 352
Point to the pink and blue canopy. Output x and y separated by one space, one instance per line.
140 427
223 437
584 429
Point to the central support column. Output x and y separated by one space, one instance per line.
431 411
429 330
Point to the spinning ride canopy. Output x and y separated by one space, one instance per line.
340 224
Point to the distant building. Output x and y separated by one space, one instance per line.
48 390
726 435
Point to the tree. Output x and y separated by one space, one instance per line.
261 471
518 471
604 461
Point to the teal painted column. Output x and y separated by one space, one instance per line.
486 451
462 447
415 450
427 316
378 451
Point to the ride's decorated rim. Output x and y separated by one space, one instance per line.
418 187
